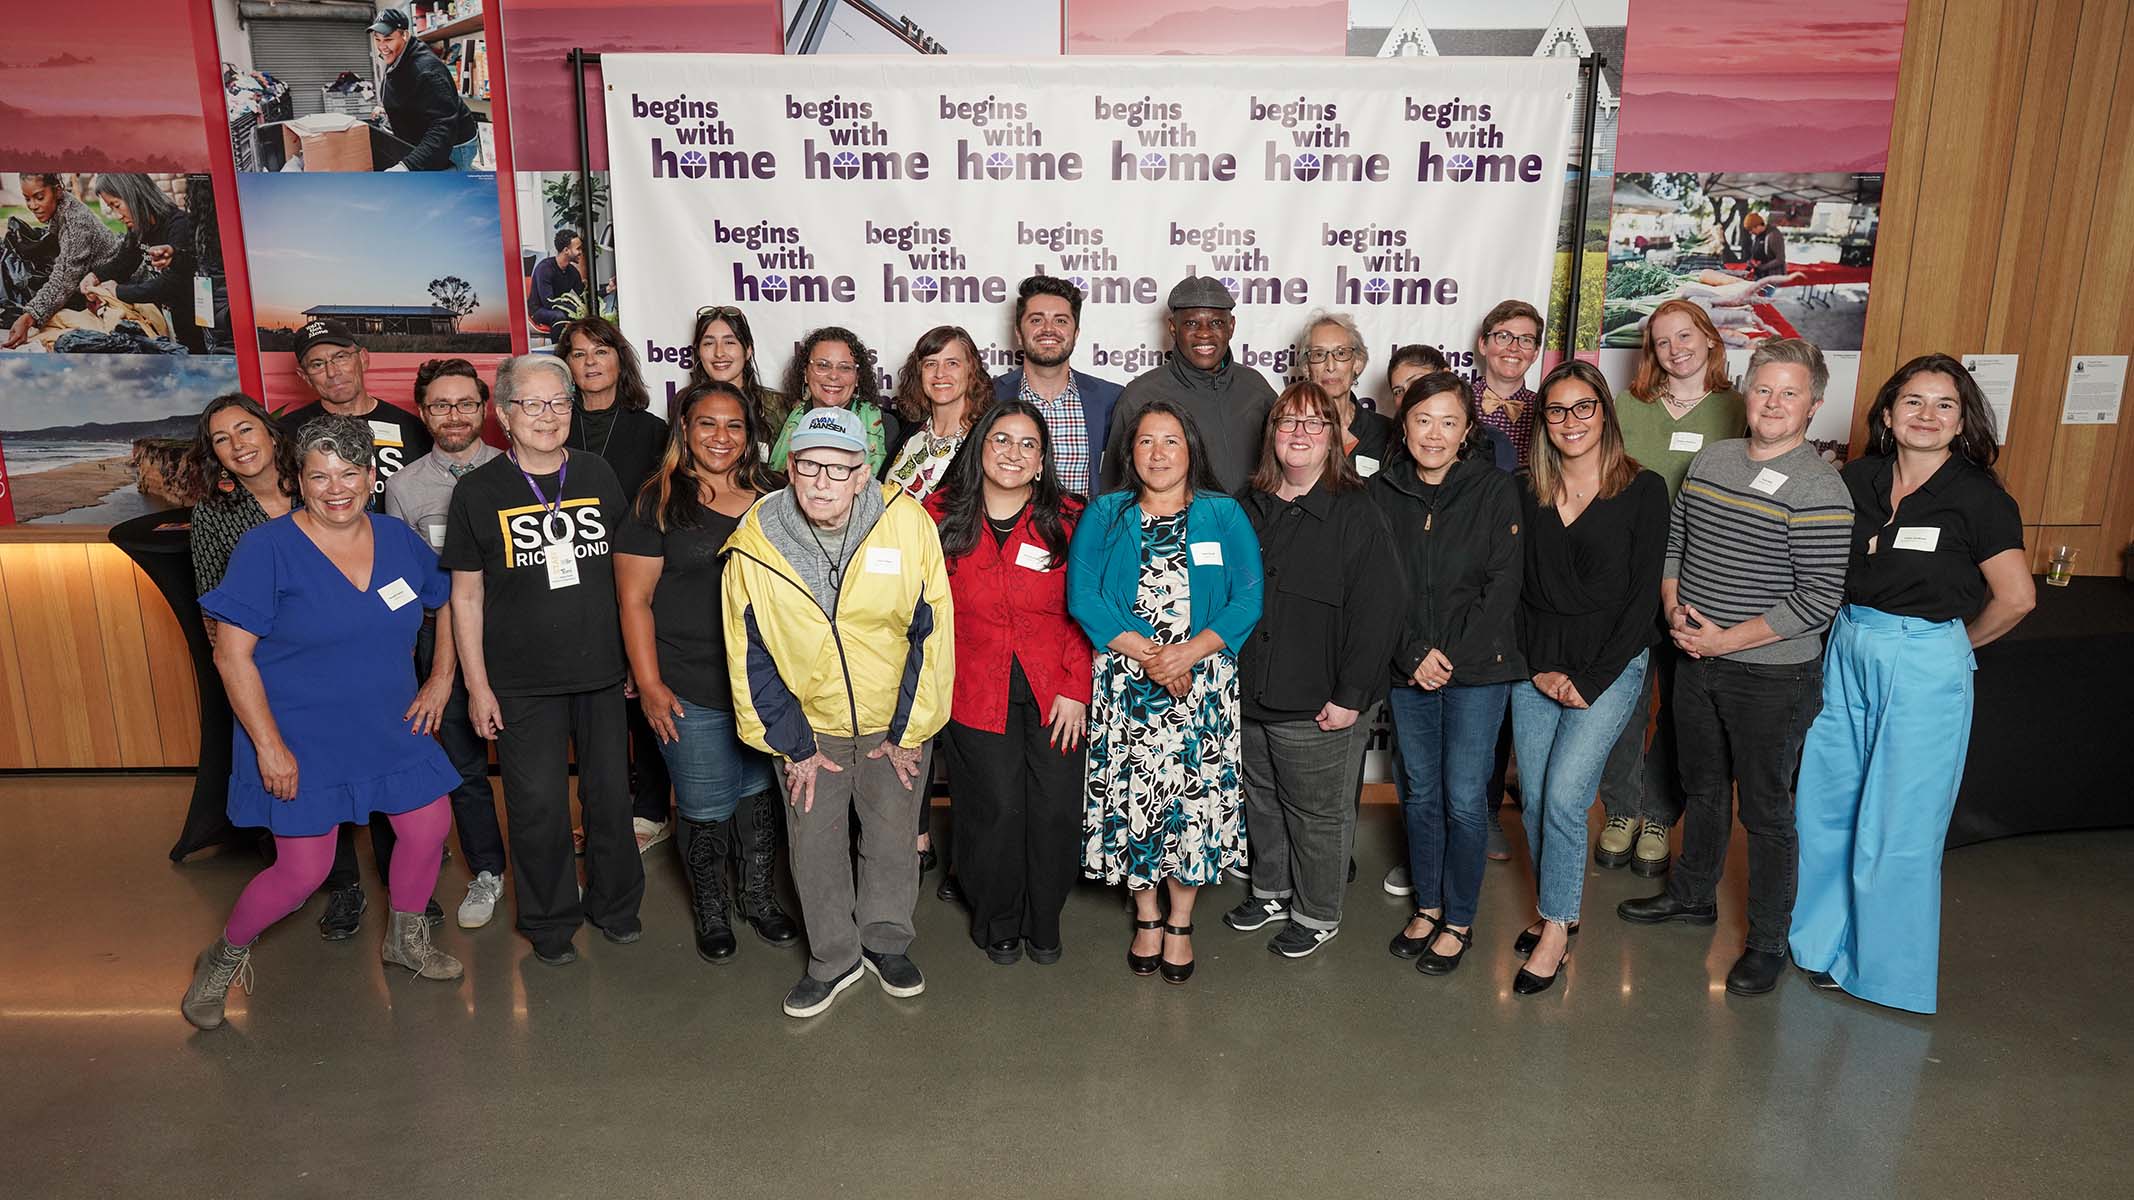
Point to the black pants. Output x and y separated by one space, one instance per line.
1739 728
651 789
531 754
1017 804
1641 781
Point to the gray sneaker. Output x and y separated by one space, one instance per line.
480 905
407 944
214 971
1296 941
899 975
811 995
1398 884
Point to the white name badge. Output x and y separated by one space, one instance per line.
384 433
562 564
1916 537
1207 554
884 560
1685 443
433 532
203 301
1033 558
1768 482
396 594
1366 467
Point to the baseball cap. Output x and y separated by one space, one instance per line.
321 332
1201 291
392 20
830 429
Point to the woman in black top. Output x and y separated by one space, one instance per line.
667 570
164 234
1313 666
1455 519
1596 538
1937 570
247 468
611 417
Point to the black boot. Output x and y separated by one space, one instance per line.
704 848
756 823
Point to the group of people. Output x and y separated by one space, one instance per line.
1145 628
81 277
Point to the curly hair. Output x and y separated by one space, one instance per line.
204 472
914 405
866 390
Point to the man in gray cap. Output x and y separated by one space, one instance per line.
421 101
1228 402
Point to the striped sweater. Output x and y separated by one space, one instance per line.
1763 539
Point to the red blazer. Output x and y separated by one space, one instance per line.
1007 611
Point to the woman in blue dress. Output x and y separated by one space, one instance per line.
319 611
1165 576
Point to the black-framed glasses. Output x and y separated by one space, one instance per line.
1001 442
439 408
1555 414
534 406
1504 339
1319 354
332 362
808 468
1314 425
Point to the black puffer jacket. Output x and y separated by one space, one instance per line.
423 103
1461 565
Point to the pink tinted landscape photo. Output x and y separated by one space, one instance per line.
109 86
1235 27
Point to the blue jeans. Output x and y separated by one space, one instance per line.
1561 754
712 769
1447 740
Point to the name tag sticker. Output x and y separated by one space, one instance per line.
1685 443
1366 467
396 594
203 301
1916 537
385 433
1032 557
1768 482
884 560
562 564
1207 554
433 532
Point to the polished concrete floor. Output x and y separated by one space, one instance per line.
642 1071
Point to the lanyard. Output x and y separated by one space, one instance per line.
550 510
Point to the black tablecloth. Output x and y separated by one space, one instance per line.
161 544
2049 737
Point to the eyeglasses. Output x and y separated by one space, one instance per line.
1319 354
332 362
808 468
463 407
1001 442
724 312
1556 413
534 406
1307 424
827 367
1502 339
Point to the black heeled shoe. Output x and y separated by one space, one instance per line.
927 859
1403 946
1433 963
1524 944
1526 983
1145 964
1175 972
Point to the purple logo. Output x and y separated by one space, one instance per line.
1078 282
1460 168
1152 165
1376 290
1306 166
925 287
1231 286
846 164
773 287
999 165
692 164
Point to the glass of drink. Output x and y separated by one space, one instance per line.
2062 566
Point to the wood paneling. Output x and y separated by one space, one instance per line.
170 670
17 741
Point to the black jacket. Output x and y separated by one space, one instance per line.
1461 565
423 103
1328 616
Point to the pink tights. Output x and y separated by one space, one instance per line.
301 864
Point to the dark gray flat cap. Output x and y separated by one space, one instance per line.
1201 291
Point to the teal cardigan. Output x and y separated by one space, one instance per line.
1104 570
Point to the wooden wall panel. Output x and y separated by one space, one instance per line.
170 669
126 674
18 743
61 653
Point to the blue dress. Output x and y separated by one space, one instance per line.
339 669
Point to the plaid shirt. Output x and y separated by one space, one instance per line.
1070 433
1519 433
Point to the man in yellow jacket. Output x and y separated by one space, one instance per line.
839 641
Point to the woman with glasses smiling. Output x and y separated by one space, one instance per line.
1596 535
1021 699
834 370
1334 358
1506 348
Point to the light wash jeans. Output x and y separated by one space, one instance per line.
1561 754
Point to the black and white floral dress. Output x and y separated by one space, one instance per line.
1162 799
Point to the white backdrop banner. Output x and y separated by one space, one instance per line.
893 194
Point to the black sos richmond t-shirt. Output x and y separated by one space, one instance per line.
398 437
538 640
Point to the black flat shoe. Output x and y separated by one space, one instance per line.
1144 964
1403 946
1755 972
950 892
1175 972
1523 945
927 859
1433 963
1006 952
1526 983
1823 981
1660 909
1044 956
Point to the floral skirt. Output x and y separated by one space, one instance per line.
1164 795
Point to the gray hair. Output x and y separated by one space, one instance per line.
149 206
348 438
1799 352
511 375
1347 325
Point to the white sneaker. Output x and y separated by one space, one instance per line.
650 833
480 904
1398 884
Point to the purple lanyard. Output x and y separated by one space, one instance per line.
549 509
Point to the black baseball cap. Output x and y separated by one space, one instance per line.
392 20
321 332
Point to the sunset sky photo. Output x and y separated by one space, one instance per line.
109 85
1206 27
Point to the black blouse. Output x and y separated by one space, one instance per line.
1922 561
1592 590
